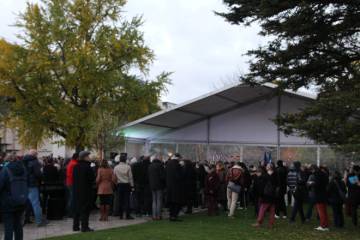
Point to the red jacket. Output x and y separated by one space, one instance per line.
69 172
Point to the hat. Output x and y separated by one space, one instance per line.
176 156
84 154
117 159
133 160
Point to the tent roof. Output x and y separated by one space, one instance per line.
203 107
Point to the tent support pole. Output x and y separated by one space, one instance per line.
241 153
278 144
318 156
208 139
147 148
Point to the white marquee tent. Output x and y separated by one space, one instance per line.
234 123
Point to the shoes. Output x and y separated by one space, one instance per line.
76 229
42 224
87 230
321 229
256 225
277 217
284 217
129 218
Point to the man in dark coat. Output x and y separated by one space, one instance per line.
51 176
33 168
156 173
337 192
139 185
189 185
83 184
201 176
147 190
297 184
174 184
281 174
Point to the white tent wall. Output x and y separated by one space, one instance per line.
250 125
196 132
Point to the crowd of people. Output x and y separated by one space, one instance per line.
129 188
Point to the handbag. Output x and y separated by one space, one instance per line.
234 187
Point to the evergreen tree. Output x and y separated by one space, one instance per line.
314 44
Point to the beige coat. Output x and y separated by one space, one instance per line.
105 181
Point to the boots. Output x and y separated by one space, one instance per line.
102 213
106 212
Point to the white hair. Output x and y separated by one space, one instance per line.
33 152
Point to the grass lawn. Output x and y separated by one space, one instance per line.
202 227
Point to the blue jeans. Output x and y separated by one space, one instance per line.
34 199
156 203
13 225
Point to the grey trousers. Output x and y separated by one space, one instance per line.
157 203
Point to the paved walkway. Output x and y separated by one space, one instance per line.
64 227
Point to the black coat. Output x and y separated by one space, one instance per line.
201 176
336 188
257 186
222 194
321 180
145 169
33 168
189 181
84 179
51 174
138 174
156 173
281 174
268 190
174 182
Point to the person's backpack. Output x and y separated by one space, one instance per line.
18 188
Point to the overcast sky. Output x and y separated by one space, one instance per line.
202 50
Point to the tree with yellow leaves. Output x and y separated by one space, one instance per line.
75 64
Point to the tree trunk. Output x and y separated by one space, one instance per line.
79 148
79 141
